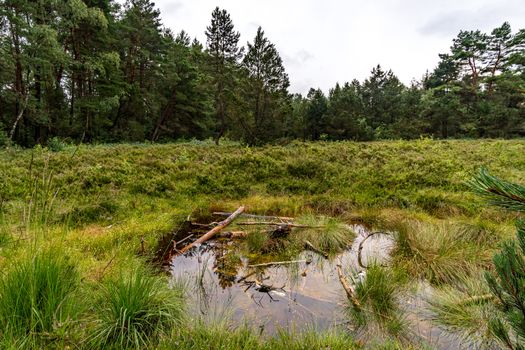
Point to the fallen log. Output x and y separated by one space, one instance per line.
350 292
269 223
311 247
281 263
253 216
214 230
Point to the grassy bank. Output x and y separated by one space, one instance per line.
93 205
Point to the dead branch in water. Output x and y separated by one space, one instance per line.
269 223
281 263
182 240
310 246
253 216
359 261
214 230
350 292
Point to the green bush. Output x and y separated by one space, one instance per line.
56 144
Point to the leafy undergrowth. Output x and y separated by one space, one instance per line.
106 207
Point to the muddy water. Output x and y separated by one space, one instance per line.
304 295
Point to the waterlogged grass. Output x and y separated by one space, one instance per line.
466 309
378 312
441 252
108 206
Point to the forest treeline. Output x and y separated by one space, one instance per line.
97 71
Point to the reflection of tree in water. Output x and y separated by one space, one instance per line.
226 265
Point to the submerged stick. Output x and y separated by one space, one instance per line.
281 263
214 230
359 250
182 240
253 216
350 292
310 246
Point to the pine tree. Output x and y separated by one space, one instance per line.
508 282
268 83
222 45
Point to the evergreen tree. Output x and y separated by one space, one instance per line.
222 46
316 114
508 282
268 83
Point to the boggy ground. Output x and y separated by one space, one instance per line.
80 228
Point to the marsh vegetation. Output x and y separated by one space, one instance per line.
82 232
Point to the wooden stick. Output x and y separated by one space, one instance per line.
360 249
214 230
310 246
269 223
182 240
279 263
245 277
350 292
253 216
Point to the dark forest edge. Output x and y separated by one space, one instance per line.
96 71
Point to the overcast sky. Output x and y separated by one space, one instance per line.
327 41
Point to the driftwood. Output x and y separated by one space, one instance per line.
350 292
214 230
311 247
245 277
281 263
253 216
269 223
359 261
182 240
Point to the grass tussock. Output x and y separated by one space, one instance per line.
332 236
464 309
37 300
378 314
440 253
133 310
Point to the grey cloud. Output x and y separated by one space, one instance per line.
171 6
298 58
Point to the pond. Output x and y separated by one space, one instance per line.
303 295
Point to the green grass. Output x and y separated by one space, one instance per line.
99 202
38 300
134 309
378 313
